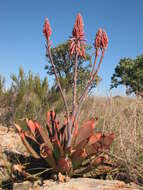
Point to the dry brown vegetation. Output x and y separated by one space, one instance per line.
124 117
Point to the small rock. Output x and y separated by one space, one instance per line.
22 186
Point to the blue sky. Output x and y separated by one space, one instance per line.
22 41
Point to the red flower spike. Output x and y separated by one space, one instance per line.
97 42
78 31
101 40
47 30
104 40
77 44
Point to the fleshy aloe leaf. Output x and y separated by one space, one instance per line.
57 148
43 134
85 131
64 165
77 157
107 140
63 134
82 144
50 119
47 154
31 126
28 146
99 143
95 138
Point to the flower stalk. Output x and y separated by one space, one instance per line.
101 43
47 32
77 49
75 83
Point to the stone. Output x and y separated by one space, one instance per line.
89 184
22 186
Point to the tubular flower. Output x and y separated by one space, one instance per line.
47 31
101 40
77 44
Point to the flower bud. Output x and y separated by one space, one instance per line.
47 31
77 45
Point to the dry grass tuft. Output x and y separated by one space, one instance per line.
124 117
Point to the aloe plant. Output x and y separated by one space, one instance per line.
49 144
67 147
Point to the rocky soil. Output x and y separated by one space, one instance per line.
78 184
10 141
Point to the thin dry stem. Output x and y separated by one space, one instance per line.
84 95
75 82
94 65
77 108
58 82
98 67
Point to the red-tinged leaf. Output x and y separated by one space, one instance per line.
57 148
48 121
82 144
107 140
30 135
31 126
48 117
18 127
93 148
94 144
43 134
53 115
47 154
49 131
62 134
28 146
97 161
85 131
77 157
57 130
95 138
51 119
64 165
98 146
